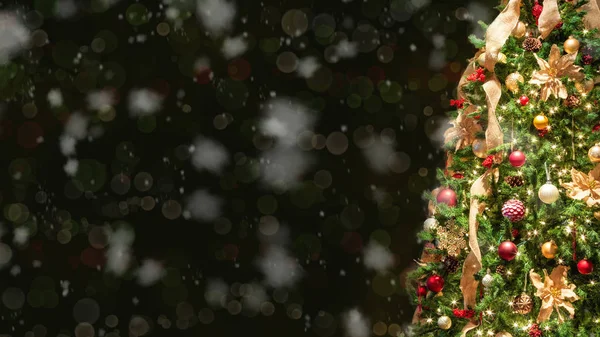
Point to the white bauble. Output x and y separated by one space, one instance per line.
487 280
430 224
444 322
548 193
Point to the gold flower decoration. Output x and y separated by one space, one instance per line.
463 131
451 237
555 293
584 187
551 71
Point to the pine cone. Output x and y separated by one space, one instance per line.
451 264
572 101
501 270
532 44
514 181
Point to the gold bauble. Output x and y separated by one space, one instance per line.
571 45
594 153
512 81
481 59
585 86
522 304
549 249
503 334
540 122
479 148
597 215
520 30
444 322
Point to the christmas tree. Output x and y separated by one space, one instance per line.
515 226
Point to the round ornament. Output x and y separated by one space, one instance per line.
422 291
479 148
585 267
435 283
513 210
517 158
523 100
549 249
430 224
594 153
481 59
540 122
522 304
447 196
512 81
519 30
487 280
444 322
503 334
548 193
585 86
507 250
571 45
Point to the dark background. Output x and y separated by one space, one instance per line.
193 250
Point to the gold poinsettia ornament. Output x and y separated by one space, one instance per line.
555 293
464 130
551 71
584 187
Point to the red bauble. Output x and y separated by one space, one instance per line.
523 100
513 210
585 267
507 250
421 291
447 196
517 158
435 283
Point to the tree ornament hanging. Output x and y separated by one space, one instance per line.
540 122
534 331
572 101
422 291
522 304
594 153
548 193
514 181
523 100
447 196
430 224
513 210
571 45
487 280
444 322
435 283
585 267
479 148
549 249
519 30
507 250
512 81
517 158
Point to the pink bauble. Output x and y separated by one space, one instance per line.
513 210
507 250
447 196
585 267
517 158
435 283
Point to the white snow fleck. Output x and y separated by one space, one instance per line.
216 15
55 98
76 126
144 102
355 324
65 8
215 290
308 66
203 206
100 99
279 268
283 167
234 47
118 255
208 154
285 120
14 36
346 49
377 156
149 273
71 167
67 145
21 235
377 257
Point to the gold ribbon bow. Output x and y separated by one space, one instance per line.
554 292
591 19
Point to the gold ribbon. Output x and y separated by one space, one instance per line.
499 31
549 18
591 19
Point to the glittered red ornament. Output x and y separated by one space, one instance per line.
447 196
507 250
536 10
524 100
513 210
422 291
435 283
585 267
517 158
534 331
